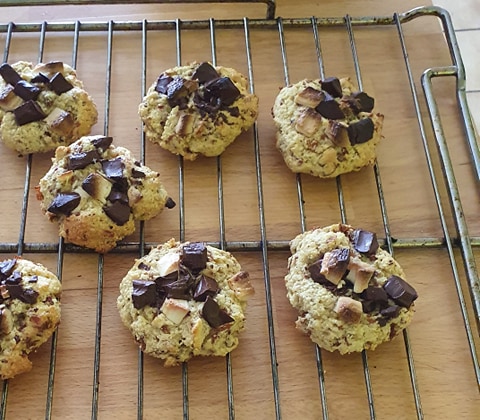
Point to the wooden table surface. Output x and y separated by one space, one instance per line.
445 381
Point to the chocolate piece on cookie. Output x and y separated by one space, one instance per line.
95 192
198 109
325 127
29 312
187 313
43 106
350 294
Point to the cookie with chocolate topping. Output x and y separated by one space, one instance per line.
96 191
29 312
325 127
43 106
351 295
184 300
198 109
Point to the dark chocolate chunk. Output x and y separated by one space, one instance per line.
9 74
170 204
143 266
117 196
315 274
214 315
361 102
206 108
64 203
119 212
26 90
223 89
15 290
82 160
144 293
206 286
102 142
40 78
28 112
166 280
390 312
137 174
204 73
365 241
33 279
14 278
180 289
59 84
113 168
96 185
194 256
162 84
376 295
330 109
332 86
28 296
360 131
400 291
177 92
6 267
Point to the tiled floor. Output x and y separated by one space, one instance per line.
466 21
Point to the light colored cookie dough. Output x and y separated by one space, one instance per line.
96 191
29 312
350 294
326 128
184 300
198 109
46 108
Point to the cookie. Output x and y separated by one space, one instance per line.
43 106
350 294
29 312
184 300
197 109
326 128
96 192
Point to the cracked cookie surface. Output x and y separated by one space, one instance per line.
326 128
197 109
96 191
43 106
350 294
184 300
29 312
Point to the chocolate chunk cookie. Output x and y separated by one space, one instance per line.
325 127
29 312
96 191
198 109
43 106
350 294
184 300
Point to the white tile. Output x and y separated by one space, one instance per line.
465 13
469 43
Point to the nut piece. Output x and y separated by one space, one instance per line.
309 97
6 320
184 125
50 68
97 186
360 274
337 133
334 264
175 309
309 122
168 264
60 122
8 100
240 284
348 309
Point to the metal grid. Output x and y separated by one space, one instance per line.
460 239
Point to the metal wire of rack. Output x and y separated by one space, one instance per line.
460 239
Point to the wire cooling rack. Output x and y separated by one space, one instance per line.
454 239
